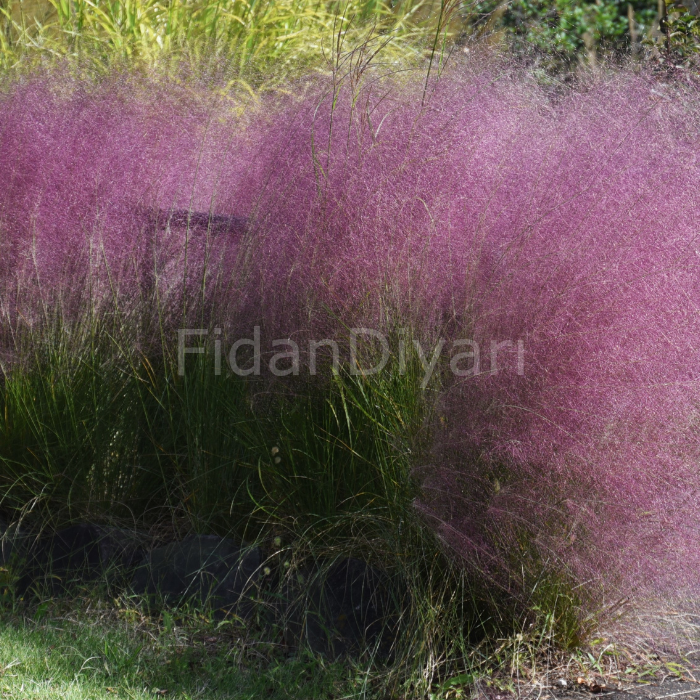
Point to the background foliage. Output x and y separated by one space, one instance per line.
571 28
268 41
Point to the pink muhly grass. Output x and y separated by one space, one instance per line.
85 171
491 213
494 214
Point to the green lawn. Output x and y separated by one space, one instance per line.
92 650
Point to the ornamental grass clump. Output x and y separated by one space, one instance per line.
87 170
262 43
532 259
563 228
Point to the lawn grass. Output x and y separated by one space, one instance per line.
92 647
89 649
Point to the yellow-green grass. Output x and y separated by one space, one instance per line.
260 37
